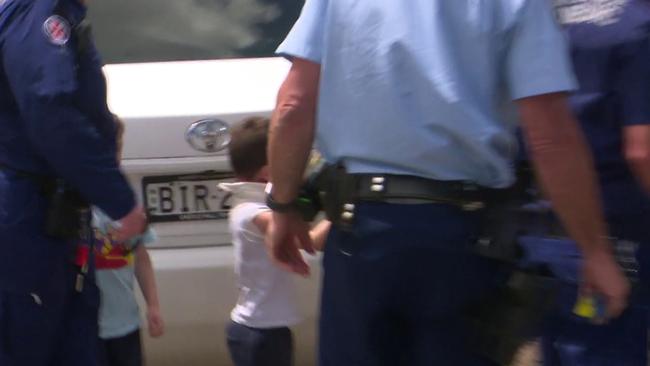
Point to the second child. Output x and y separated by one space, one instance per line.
259 333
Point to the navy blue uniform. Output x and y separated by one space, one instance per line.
54 123
610 47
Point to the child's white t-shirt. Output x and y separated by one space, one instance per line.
266 292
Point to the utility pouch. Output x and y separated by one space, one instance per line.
500 228
508 316
64 212
308 203
517 212
504 319
338 192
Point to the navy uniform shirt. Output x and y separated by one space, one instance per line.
54 120
610 48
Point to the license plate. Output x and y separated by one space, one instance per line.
186 197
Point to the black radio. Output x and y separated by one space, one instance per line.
64 212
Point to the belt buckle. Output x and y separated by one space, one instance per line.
347 214
377 184
472 206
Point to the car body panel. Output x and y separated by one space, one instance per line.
193 260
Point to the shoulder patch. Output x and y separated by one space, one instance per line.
598 12
57 30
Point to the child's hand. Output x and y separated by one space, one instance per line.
155 322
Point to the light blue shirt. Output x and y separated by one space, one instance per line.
119 313
424 87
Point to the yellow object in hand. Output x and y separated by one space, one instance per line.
586 307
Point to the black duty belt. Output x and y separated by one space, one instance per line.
387 187
23 173
343 190
45 182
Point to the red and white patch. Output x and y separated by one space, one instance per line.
57 30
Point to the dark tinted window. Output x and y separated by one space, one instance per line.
173 30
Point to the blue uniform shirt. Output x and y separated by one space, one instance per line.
53 113
610 47
422 87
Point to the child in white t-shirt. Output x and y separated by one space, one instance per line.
259 332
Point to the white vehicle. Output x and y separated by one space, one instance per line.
179 74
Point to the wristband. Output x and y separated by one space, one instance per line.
277 206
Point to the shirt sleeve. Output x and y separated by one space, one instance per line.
633 82
538 60
245 214
148 237
306 38
43 80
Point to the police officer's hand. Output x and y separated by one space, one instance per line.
603 277
286 235
131 225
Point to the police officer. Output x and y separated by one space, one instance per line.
403 99
610 47
57 140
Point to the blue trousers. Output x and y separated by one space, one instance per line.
54 327
396 284
571 341
259 347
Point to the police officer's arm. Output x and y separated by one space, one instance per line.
292 132
292 129
538 73
42 77
293 123
636 145
565 171
564 166
291 137
633 94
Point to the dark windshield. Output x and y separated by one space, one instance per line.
174 30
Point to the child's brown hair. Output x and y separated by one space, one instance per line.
247 147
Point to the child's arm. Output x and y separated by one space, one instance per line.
318 234
262 220
147 282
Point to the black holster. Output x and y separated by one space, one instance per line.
65 208
507 317
336 188
504 319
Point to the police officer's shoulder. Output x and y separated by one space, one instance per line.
591 12
53 19
37 43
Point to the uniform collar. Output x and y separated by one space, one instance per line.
75 10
